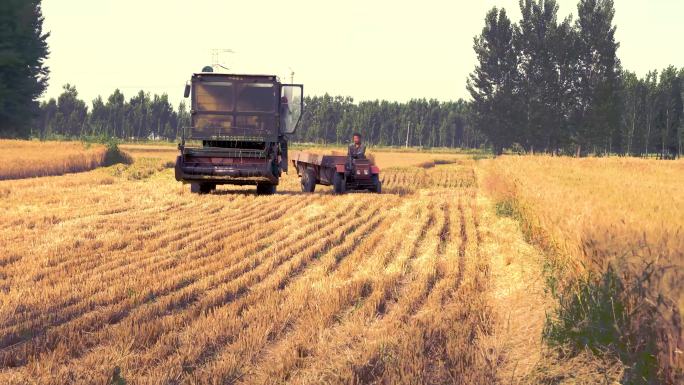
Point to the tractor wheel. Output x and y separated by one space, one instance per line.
339 184
377 185
308 181
201 188
265 189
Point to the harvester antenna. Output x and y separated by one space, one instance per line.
216 56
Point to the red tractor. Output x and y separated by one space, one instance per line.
342 172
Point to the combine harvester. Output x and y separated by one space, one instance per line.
238 132
340 171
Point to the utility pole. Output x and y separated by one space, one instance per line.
291 75
408 131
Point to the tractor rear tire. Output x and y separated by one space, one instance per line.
377 184
339 184
308 181
265 189
201 188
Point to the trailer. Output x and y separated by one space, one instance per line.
340 171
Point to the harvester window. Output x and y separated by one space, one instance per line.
214 96
257 124
209 125
256 97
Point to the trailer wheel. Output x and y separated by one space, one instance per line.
265 189
201 188
308 181
339 184
377 185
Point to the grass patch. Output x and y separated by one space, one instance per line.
610 314
114 155
507 208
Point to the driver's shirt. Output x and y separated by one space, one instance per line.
357 152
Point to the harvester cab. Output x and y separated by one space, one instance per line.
239 128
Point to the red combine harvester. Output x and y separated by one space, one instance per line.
340 171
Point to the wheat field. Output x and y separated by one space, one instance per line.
110 278
121 275
596 215
25 159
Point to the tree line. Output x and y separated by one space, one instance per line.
143 116
557 86
418 122
326 119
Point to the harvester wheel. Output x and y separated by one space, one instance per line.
339 184
201 188
265 189
377 185
308 181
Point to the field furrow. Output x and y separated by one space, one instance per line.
168 287
151 298
260 309
120 299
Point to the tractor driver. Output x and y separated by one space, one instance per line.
357 150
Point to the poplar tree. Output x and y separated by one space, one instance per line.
492 84
600 104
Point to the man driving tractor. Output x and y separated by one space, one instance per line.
351 172
357 150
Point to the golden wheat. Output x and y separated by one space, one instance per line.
26 159
592 213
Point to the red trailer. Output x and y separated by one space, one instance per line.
340 171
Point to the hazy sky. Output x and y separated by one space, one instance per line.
393 50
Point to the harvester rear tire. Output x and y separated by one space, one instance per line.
308 181
265 189
339 184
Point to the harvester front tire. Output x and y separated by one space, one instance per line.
308 181
265 189
201 188
377 184
339 184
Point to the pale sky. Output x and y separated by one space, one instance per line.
395 50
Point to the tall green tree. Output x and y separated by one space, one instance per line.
493 83
183 119
72 113
48 110
633 98
599 104
548 63
23 74
116 114
98 120
670 112
652 100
